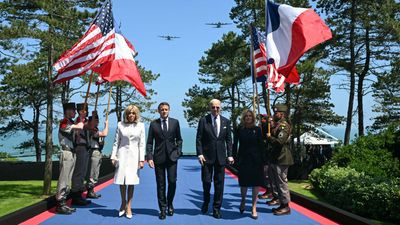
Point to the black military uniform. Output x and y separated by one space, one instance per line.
82 159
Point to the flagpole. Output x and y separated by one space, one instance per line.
254 74
267 105
109 100
88 89
97 97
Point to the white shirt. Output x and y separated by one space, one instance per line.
218 121
166 121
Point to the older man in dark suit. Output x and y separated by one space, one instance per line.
214 149
165 134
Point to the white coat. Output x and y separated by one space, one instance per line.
128 150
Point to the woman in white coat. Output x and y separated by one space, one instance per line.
128 156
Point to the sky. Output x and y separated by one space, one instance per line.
177 61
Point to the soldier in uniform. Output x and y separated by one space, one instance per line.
281 157
96 139
82 158
67 157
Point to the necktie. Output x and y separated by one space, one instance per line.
215 126
165 128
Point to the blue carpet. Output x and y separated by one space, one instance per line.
187 204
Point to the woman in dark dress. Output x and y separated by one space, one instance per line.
248 148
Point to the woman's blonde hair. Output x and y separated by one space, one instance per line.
242 117
134 109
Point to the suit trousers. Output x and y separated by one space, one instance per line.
170 168
208 171
279 173
67 164
81 165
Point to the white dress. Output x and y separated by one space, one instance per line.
128 150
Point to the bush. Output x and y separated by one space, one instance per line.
358 192
369 155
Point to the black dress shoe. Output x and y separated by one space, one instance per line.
217 214
170 211
204 208
162 215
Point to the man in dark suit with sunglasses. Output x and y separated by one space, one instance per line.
214 149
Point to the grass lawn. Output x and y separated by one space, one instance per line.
15 195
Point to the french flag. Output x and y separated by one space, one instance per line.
290 33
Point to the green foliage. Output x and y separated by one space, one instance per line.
223 72
387 96
369 154
364 177
359 193
4 156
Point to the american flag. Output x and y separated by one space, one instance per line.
259 54
265 69
94 48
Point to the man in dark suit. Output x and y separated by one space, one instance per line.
214 147
165 134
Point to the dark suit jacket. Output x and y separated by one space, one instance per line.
165 144
214 148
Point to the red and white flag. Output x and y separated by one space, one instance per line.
290 33
104 51
123 66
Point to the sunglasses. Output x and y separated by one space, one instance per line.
215 107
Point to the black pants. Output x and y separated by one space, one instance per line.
160 169
207 172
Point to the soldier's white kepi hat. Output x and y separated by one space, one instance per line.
69 105
280 108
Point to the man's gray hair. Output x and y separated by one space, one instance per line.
214 101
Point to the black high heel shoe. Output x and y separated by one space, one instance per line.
241 207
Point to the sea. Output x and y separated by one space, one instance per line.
9 144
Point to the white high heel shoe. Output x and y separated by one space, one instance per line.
121 213
129 216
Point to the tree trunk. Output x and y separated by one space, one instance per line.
36 141
361 78
49 126
352 77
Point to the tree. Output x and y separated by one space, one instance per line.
361 47
24 90
46 28
223 72
387 96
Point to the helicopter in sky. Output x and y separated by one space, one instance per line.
218 24
168 38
